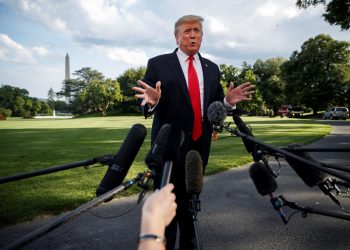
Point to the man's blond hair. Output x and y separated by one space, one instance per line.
187 19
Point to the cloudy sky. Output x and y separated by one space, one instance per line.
114 35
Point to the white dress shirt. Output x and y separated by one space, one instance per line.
183 59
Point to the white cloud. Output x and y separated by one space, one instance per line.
232 44
12 51
41 50
277 10
45 12
215 26
130 57
100 12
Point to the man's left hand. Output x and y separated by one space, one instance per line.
241 93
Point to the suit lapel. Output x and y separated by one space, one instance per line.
176 68
205 70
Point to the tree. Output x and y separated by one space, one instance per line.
73 88
269 81
45 109
51 98
8 95
228 74
16 102
100 94
238 76
62 107
128 80
318 75
337 11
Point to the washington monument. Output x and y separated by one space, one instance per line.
67 72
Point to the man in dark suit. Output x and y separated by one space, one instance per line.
179 87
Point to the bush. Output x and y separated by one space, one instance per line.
6 112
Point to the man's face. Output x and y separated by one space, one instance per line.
189 37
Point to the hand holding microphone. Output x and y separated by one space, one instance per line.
157 212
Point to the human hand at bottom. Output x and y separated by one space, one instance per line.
157 212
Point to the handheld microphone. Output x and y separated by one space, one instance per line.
265 184
176 138
122 161
155 157
194 172
216 115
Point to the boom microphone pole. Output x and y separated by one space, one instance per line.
72 214
294 157
102 159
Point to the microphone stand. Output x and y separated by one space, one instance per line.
105 159
311 149
195 207
260 149
306 210
291 155
83 208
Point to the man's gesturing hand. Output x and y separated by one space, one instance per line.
240 93
149 95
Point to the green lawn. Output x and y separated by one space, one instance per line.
27 145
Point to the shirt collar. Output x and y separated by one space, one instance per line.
183 56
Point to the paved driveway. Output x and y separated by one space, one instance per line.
233 216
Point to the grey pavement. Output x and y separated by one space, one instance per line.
233 216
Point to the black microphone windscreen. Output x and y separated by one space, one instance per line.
175 139
123 159
194 172
155 157
263 180
216 113
242 127
310 175
240 124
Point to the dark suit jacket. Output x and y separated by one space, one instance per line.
175 104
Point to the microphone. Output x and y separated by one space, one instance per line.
310 175
242 127
265 184
155 157
176 138
194 172
121 162
194 185
216 115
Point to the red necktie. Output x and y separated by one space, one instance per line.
193 88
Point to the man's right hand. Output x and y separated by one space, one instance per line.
150 96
